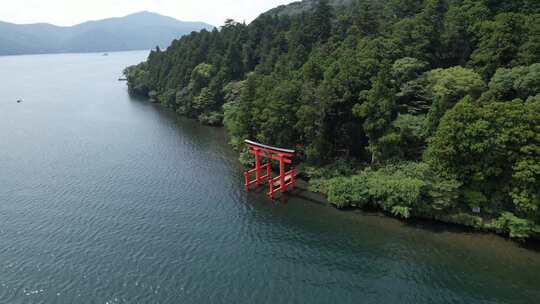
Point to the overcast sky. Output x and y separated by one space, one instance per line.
69 12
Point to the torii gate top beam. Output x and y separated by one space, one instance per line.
270 149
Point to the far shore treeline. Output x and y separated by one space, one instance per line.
421 108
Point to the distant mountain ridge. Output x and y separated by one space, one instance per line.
143 30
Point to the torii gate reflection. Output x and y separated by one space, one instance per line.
285 180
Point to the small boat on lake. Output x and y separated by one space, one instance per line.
105 54
19 100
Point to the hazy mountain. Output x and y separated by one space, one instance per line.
142 30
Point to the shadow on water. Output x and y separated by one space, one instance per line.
429 226
434 226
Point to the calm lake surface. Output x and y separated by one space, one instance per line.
108 199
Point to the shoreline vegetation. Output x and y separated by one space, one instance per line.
419 108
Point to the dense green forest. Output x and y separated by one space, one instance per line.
421 108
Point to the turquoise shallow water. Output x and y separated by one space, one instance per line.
107 199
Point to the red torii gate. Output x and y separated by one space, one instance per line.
281 183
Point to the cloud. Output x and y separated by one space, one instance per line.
69 12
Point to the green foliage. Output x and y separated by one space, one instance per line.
138 79
403 185
343 192
406 140
492 148
200 77
529 52
516 227
377 109
400 211
402 189
211 119
474 198
246 158
445 87
398 84
500 42
518 82
320 24
167 98
339 167
407 69
419 37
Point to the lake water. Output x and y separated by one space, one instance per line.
108 199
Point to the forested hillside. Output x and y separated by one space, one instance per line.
423 108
